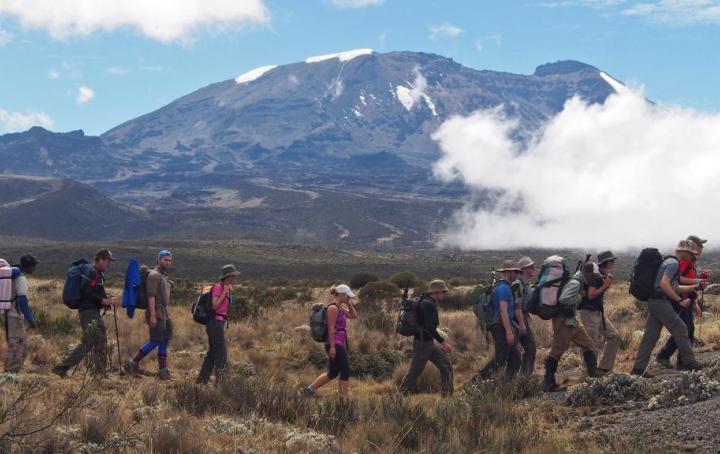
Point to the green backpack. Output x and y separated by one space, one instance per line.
481 300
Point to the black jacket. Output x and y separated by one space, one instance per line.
92 292
429 319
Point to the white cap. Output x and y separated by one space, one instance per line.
342 288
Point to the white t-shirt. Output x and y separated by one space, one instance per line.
20 287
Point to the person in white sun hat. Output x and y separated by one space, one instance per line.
339 311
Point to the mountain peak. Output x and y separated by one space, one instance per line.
562 67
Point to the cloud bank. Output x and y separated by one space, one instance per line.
18 121
163 20
624 174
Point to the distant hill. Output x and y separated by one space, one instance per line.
335 149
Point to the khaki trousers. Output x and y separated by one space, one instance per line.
605 337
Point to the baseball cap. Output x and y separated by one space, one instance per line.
342 288
104 254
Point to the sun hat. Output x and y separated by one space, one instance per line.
605 257
509 265
437 286
525 262
227 271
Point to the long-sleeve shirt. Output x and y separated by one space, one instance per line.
92 292
429 319
21 307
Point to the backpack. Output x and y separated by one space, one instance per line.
318 322
554 275
202 310
77 276
141 298
6 273
481 300
644 274
408 323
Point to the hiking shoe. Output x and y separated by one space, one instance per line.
664 362
603 372
690 366
642 373
59 371
132 368
308 392
164 375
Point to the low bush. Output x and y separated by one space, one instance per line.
63 325
611 389
688 388
377 295
379 321
404 279
456 300
360 280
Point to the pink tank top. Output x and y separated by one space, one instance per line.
340 326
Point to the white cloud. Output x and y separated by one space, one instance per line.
677 12
53 74
117 71
163 20
18 121
356 3
445 30
84 95
5 36
481 43
610 175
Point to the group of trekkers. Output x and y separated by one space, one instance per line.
91 300
673 302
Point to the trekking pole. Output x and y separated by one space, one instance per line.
488 336
117 340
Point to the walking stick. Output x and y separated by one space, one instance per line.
117 340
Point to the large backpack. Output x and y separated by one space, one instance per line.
554 275
6 273
141 298
77 275
408 323
202 310
318 322
644 274
481 300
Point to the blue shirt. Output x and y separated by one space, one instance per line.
503 292
132 281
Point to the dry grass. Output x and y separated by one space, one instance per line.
265 411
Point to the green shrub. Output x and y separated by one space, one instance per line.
361 279
63 325
379 321
610 389
375 293
377 365
456 300
459 282
404 279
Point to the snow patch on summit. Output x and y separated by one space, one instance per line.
342 56
617 86
408 97
254 74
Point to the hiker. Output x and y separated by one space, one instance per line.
424 347
504 334
19 313
567 331
339 311
688 276
592 313
157 317
661 312
216 356
521 292
93 298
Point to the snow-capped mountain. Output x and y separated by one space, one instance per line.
333 148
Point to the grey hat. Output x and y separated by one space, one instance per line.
227 271
697 240
525 262
437 285
509 265
605 257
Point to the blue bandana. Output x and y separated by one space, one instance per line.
164 253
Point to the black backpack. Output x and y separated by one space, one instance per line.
644 274
202 310
141 298
408 323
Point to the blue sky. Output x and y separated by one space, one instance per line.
69 67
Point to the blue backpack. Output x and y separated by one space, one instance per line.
78 273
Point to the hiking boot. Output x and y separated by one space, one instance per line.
642 373
695 365
164 375
132 368
308 392
59 371
603 372
664 362
591 363
551 385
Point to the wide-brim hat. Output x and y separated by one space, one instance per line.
509 265
437 286
525 262
697 240
605 257
687 246
228 271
